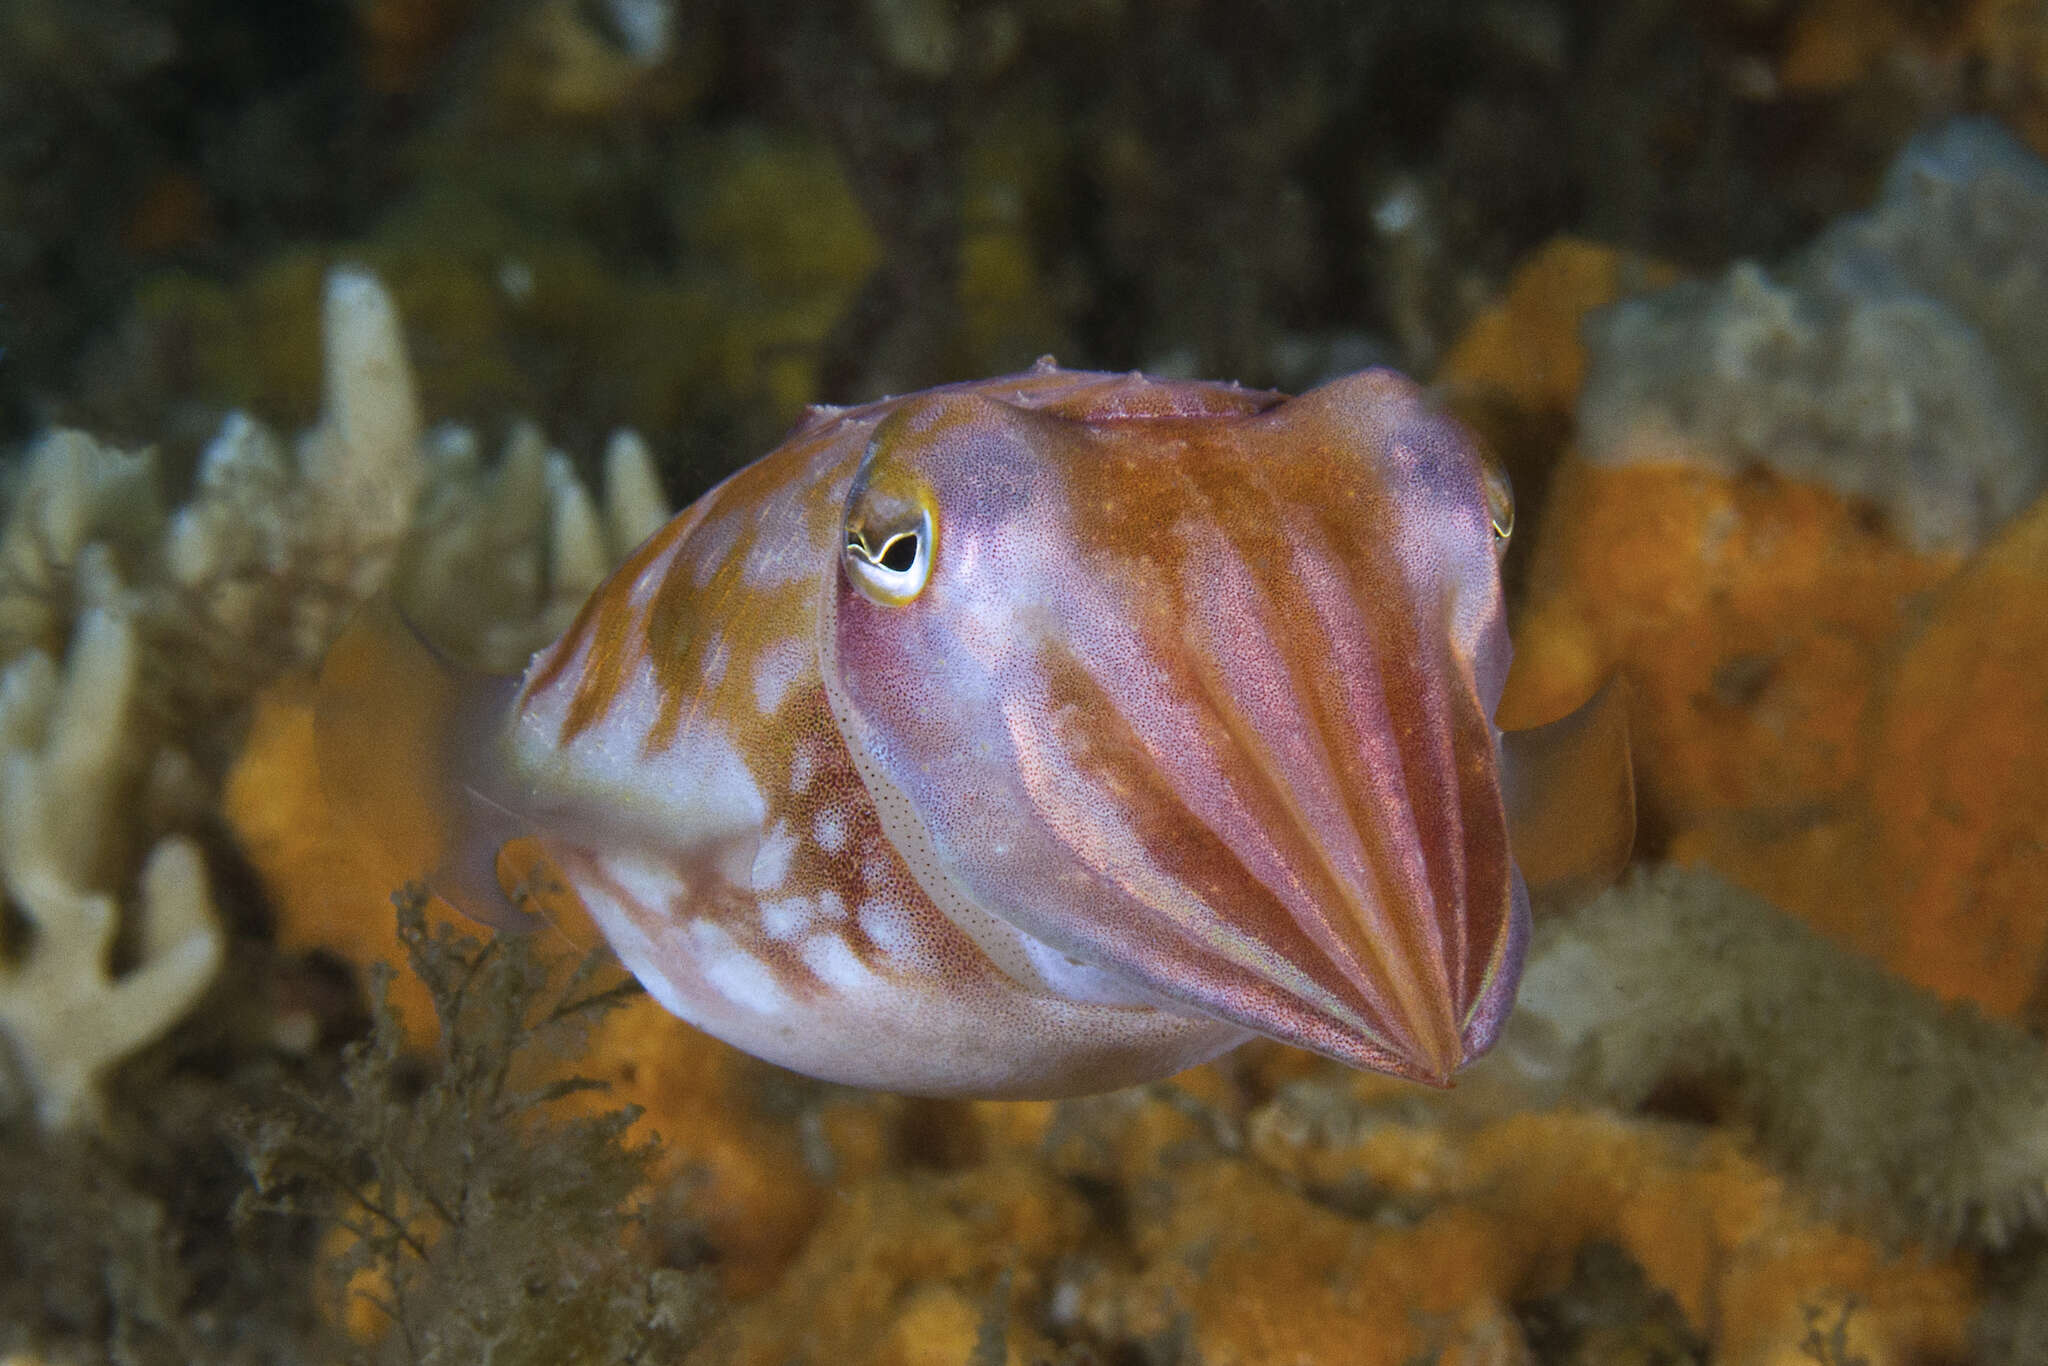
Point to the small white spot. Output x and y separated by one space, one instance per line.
776 670
771 864
836 964
786 917
645 28
831 906
1398 209
515 279
830 829
874 871
734 973
886 922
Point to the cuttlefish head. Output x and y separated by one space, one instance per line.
1204 701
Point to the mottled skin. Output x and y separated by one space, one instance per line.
1187 735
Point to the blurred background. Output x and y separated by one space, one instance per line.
1757 323
692 216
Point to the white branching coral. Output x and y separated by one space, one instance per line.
501 558
72 492
256 573
170 621
277 553
66 767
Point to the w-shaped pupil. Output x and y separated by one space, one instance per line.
899 553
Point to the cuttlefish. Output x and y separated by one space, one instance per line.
1034 736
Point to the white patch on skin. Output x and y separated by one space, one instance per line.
779 555
831 906
651 578
783 550
649 883
641 955
776 670
786 917
711 542
830 829
720 793
1073 980
605 790
886 922
734 973
771 864
803 770
836 964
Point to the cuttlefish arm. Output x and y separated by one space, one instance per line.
1208 706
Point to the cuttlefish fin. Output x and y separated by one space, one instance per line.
403 737
1571 797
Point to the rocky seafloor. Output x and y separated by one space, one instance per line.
459 300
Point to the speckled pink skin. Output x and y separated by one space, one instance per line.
1187 736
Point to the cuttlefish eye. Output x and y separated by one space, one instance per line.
1500 498
889 547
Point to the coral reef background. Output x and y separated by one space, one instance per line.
300 304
